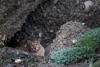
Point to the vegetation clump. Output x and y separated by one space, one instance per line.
93 33
96 64
33 61
73 54
8 61
87 42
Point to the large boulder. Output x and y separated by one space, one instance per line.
13 14
68 34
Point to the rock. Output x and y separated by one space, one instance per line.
89 5
18 60
14 56
13 14
74 41
68 34
55 1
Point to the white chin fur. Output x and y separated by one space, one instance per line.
35 49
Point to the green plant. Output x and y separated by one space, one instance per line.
87 42
71 55
96 64
33 62
7 61
93 33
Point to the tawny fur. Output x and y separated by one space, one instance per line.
24 49
32 45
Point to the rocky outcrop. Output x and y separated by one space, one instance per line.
46 20
10 57
68 34
13 14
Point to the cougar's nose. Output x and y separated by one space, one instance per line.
35 49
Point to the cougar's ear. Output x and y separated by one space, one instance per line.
29 42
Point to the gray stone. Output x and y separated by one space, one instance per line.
13 14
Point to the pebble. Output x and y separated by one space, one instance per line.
18 60
88 5
74 41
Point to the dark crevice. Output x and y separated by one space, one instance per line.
36 24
